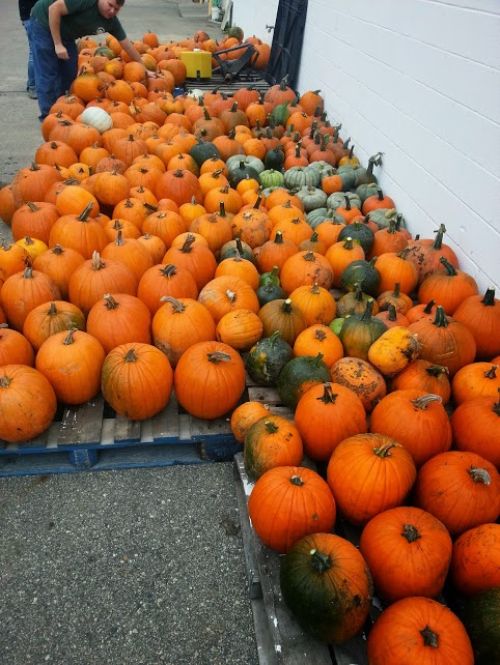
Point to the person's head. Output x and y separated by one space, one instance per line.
109 8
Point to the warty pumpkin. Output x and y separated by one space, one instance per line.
475 563
360 377
394 350
244 416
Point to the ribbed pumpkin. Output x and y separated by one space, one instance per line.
416 419
327 585
178 324
59 263
317 339
165 280
418 630
226 293
198 259
136 380
476 427
408 552
289 502
298 376
117 319
27 403
394 350
209 379
306 268
35 220
360 331
79 232
239 328
480 379
274 252
475 563
315 302
49 318
426 376
369 473
325 415
272 441
449 287
23 291
481 314
15 348
461 489
266 359
282 315
244 416
72 362
95 277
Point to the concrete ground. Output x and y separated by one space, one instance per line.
141 567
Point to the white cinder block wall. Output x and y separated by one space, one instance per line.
418 80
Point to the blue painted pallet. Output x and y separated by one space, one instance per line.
92 437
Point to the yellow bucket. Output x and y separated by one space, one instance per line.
198 64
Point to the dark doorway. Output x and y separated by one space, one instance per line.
287 42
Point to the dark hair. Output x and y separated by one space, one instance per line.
120 2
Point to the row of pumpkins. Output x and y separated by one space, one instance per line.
188 242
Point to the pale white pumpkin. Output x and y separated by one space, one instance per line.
98 118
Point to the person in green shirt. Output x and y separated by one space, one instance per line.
54 27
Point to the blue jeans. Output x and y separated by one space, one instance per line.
53 76
31 68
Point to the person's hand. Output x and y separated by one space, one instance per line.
150 74
61 52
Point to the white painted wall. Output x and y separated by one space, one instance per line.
254 15
418 80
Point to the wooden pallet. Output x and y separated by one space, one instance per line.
280 640
248 77
92 437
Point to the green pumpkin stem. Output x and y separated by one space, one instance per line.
428 308
410 532
437 370
109 301
438 242
450 270
70 337
271 427
392 315
384 450
367 314
397 290
431 639
83 216
218 357
489 298
222 209
320 562
347 205
287 306
441 320
348 243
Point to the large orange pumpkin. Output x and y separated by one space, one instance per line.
289 502
272 441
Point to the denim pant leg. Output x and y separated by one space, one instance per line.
52 75
31 67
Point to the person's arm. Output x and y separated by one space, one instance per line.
134 54
57 10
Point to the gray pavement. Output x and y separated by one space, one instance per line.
140 567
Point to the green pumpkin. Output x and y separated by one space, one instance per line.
365 190
311 197
266 359
234 162
323 167
203 151
271 178
329 603
365 176
280 114
353 302
315 217
236 247
360 331
241 172
338 200
269 292
104 51
362 273
383 217
298 375
271 277
235 32
359 232
336 325
301 176
348 175
274 159
482 621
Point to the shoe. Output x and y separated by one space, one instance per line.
32 93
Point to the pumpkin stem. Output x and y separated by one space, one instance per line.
348 244
410 532
392 315
431 639
97 262
320 335
218 357
423 402
479 475
441 320
320 562
450 270
385 449
83 216
271 427
177 306
489 298
188 243
169 270
496 406
70 337
52 311
296 480
287 306
109 301
367 314
328 396
309 256
347 205
438 242
130 356
222 209
437 370
58 250
397 290
491 373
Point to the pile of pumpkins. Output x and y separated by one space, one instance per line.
189 242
